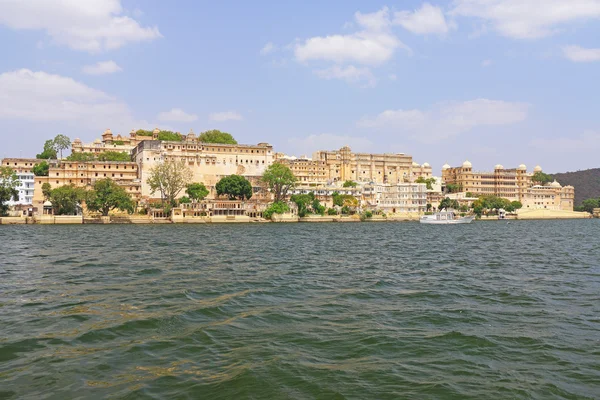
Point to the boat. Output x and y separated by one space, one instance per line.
446 217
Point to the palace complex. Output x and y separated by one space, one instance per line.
385 182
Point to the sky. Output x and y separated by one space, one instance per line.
492 81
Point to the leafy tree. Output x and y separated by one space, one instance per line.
427 181
41 169
184 200
81 157
119 142
143 132
350 184
169 136
331 211
302 202
8 188
197 191
463 208
49 152
317 207
61 142
107 196
65 199
541 178
453 188
448 203
46 191
428 206
589 205
280 179
114 156
342 200
278 207
345 210
169 178
516 205
216 136
469 194
235 187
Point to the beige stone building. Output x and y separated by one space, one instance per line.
208 162
514 184
305 169
20 165
399 198
85 174
109 142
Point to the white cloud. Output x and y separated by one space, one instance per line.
486 63
268 49
580 54
311 143
349 74
176 115
588 141
102 68
527 19
448 119
40 96
90 25
225 116
373 45
426 20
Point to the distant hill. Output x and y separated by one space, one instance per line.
586 183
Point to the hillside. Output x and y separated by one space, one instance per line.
586 183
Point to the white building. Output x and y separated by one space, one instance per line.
25 188
401 198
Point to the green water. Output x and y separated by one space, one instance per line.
301 311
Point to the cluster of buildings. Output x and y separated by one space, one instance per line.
385 182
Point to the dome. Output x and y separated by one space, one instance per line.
415 164
107 132
555 184
47 204
467 164
97 141
445 166
77 140
499 166
426 165
523 167
537 169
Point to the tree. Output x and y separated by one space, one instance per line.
8 188
302 201
81 157
197 191
46 191
107 196
516 205
184 200
317 207
589 205
41 169
427 181
169 136
428 207
169 178
114 156
453 188
216 136
278 207
61 142
448 203
350 184
541 178
143 132
235 187
280 179
65 199
49 152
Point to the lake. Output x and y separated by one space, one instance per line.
488 310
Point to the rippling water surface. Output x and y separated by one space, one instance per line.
302 311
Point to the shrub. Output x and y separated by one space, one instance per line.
185 200
279 207
331 211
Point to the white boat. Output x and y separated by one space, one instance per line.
445 217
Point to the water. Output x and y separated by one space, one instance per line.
302 311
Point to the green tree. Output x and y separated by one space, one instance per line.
8 188
184 200
541 178
49 152
350 184
427 181
46 191
278 207
61 142
234 187
428 207
317 207
107 196
302 202
280 179
143 132
453 188
81 157
448 203
197 191
114 156
589 205
41 169
65 199
331 211
169 178
216 136
169 136
516 205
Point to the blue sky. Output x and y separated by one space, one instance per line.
492 81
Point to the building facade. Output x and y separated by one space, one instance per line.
515 184
399 198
